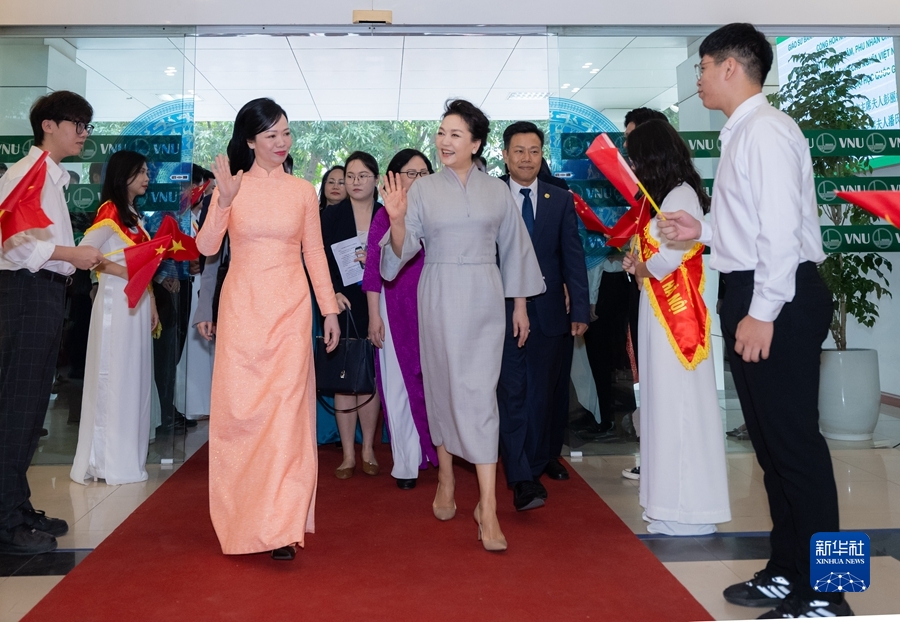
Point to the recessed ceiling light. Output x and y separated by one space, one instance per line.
595 70
527 95
576 89
674 108
565 86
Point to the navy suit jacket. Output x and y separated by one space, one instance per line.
561 257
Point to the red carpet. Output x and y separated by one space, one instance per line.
378 554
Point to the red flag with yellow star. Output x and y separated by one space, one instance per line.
588 217
21 209
142 260
630 224
183 246
882 203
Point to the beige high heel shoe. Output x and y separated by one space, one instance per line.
496 545
443 513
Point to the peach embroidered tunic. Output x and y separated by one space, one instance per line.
263 461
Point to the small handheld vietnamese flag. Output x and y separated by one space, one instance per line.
21 209
629 225
142 260
882 203
588 217
183 246
606 157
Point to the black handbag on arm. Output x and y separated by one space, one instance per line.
349 369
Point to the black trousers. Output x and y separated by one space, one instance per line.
174 312
779 399
530 418
606 338
32 311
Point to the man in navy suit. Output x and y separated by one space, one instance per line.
533 392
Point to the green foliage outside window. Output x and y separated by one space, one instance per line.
820 93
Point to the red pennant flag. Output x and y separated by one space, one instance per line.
183 246
21 210
142 261
882 203
629 225
606 157
588 217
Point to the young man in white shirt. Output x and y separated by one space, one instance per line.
34 268
766 241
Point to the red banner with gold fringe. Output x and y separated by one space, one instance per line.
677 302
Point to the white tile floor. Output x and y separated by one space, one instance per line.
868 488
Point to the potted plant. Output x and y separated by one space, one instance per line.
820 93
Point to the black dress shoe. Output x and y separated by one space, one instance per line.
181 420
555 470
525 496
406 484
539 489
36 519
284 553
23 540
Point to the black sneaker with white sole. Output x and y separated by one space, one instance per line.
796 607
763 590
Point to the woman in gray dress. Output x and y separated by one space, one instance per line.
463 216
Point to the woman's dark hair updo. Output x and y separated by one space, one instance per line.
476 120
254 118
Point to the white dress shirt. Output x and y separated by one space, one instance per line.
520 198
31 249
764 213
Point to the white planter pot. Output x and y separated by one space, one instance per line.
849 394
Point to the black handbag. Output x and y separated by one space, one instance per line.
349 369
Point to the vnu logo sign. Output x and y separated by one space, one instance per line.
82 198
876 143
827 190
89 150
826 143
140 145
882 238
831 239
877 184
171 196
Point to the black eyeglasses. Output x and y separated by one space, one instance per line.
413 174
81 126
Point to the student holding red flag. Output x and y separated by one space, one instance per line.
684 483
115 409
35 264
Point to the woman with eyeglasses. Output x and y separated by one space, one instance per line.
350 220
332 191
466 219
394 329
114 433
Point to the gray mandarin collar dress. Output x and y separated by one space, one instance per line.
462 316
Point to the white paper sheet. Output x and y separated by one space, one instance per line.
345 255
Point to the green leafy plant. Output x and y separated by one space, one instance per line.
820 93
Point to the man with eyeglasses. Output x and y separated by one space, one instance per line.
34 268
533 390
765 240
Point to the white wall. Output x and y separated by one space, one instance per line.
837 13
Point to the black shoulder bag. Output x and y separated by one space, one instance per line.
349 369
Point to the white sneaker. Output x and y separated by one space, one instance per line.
634 473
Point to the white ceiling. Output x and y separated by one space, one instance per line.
378 78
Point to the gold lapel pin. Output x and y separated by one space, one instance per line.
546 195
